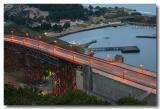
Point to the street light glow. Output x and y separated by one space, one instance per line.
45 33
109 57
55 41
141 65
12 31
27 34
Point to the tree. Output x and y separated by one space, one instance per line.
100 11
18 19
45 26
69 11
90 7
115 7
66 25
57 28
90 10
33 96
130 101
136 14
97 7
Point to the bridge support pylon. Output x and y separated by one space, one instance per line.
33 70
64 78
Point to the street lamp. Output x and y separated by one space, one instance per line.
124 73
142 67
55 42
12 34
45 33
39 40
27 35
109 56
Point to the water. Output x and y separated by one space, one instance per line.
122 36
143 8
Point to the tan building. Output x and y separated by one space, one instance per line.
119 58
35 12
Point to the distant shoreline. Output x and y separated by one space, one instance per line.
91 28
103 26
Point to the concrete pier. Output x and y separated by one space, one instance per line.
124 49
152 37
88 44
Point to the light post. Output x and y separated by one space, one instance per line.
124 73
45 33
109 57
142 67
71 46
39 40
27 35
54 43
12 34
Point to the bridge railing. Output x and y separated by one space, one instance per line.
49 48
80 58
99 64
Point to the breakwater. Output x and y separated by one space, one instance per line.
152 37
88 44
124 49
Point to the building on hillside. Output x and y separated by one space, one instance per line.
64 21
35 12
34 25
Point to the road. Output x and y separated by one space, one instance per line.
119 70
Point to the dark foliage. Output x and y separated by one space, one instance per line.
33 96
63 11
130 101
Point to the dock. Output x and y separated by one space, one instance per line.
123 49
88 44
152 37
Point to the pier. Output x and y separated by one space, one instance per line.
88 44
152 37
123 49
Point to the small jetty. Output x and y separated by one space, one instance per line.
123 49
88 44
152 37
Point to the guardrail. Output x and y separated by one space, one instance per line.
100 64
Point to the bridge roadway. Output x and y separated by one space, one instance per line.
127 74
